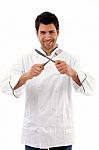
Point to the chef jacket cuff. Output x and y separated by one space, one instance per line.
82 77
13 82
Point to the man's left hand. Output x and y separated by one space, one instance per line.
64 68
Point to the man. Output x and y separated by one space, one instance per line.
48 82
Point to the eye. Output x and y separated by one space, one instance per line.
52 32
42 32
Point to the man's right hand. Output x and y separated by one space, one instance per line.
34 71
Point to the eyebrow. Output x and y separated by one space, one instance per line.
47 31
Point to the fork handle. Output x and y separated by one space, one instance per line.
48 61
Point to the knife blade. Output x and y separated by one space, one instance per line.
44 55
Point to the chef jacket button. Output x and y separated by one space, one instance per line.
53 109
56 91
37 130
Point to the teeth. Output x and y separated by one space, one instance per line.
49 42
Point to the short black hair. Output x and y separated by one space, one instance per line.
46 18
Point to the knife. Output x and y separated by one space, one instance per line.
55 54
44 55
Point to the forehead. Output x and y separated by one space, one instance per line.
48 27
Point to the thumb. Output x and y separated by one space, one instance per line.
57 62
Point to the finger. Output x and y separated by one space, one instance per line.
38 67
37 72
63 71
61 66
58 62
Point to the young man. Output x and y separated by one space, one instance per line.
48 82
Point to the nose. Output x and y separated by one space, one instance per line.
47 36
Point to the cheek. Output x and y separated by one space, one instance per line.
40 39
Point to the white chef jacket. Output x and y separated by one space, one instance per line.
48 107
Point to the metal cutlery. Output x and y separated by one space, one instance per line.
44 55
50 59
55 54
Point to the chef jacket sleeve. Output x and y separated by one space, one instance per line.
87 81
11 78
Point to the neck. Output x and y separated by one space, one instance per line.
48 52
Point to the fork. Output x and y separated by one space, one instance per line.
55 54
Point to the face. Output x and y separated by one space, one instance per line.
47 35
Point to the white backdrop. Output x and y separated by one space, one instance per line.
79 34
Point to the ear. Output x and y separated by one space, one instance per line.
36 32
57 32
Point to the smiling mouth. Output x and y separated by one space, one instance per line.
48 42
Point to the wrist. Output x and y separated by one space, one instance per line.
25 76
74 74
